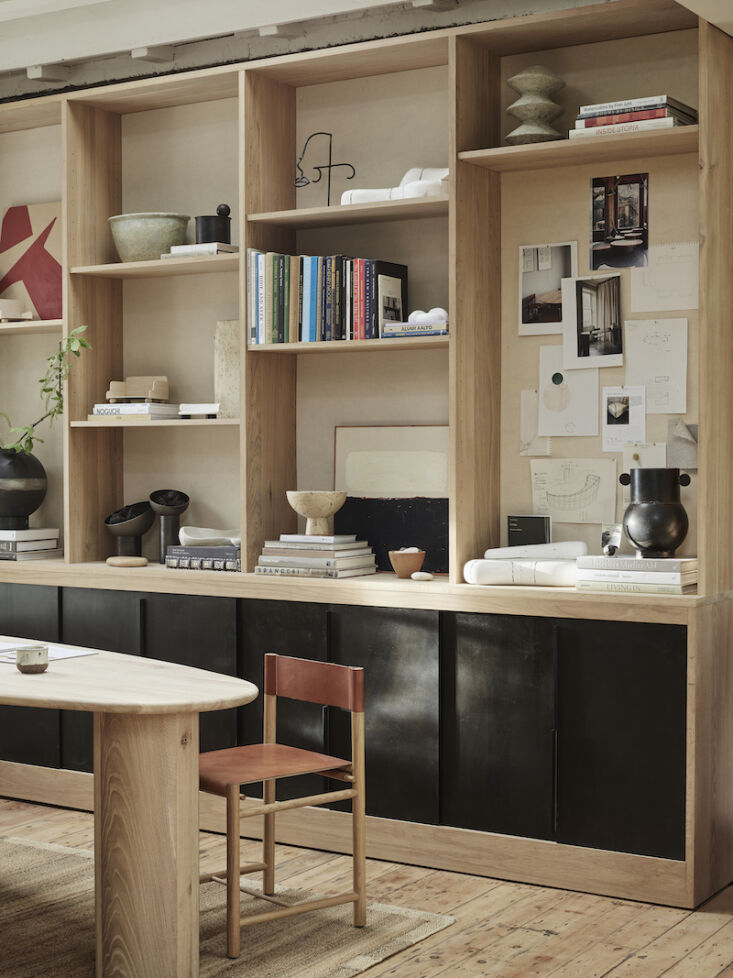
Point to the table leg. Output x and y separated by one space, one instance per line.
146 845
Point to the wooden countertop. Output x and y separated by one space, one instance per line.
111 682
383 590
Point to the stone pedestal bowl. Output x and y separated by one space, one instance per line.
316 506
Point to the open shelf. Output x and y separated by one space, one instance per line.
161 267
31 326
352 346
133 422
587 149
380 210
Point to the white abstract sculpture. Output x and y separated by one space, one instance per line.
417 182
534 108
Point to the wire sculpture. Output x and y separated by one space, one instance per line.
302 180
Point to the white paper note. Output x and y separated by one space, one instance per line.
624 417
530 443
669 281
575 490
568 399
656 358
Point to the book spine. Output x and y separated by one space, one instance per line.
16 535
321 335
296 571
313 308
20 546
337 304
421 331
297 331
308 538
261 312
251 295
665 564
637 116
625 127
117 410
270 260
630 104
635 577
222 551
328 299
623 587
368 298
280 299
286 299
266 560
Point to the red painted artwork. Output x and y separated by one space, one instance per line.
30 251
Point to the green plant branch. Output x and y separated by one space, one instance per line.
52 391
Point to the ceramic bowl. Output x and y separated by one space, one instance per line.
316 505
406 562
143 237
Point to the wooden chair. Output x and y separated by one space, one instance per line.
223 772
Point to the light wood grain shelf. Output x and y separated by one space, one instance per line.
161 267
31 326
381 210
106 421
354 346
588 149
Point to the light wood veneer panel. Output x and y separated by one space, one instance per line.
475 309
715 468
391 210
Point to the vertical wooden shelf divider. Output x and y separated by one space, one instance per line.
93 458
269 379
715 471
475 307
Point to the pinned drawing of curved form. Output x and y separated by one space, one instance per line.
578 499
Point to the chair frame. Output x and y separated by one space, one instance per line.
349 695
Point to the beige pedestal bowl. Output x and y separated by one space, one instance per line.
316 506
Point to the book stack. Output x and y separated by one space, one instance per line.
298 555
632 115
139 410
643 575
34 544
223 558
401 330
312 298
201 250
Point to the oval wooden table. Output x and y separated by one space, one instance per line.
146 736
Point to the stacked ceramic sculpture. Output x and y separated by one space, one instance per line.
534 108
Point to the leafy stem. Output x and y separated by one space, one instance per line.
52 391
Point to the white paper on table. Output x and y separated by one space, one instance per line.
624 417
530 443
656 358
575 490
7 651
568 399
650 456
669 281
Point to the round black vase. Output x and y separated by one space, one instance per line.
655 520
22 488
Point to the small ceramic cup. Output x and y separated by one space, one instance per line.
406 562
32 658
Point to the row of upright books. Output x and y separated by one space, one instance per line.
310 298
632 115
643 575
299 555
35 544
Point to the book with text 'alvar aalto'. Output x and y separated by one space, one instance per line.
667 564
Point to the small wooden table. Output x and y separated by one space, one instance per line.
146 737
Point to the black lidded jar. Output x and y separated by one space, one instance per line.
214 227
655 520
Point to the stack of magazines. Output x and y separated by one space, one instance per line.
632 115
298 555
643 575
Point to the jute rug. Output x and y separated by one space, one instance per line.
47 925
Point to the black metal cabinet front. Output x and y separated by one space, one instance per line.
498 724
29 735
399 650
195 631
622 733
109 620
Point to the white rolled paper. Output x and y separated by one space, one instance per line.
545 573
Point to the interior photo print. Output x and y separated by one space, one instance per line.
620 221
592 334
541 271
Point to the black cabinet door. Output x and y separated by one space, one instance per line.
497 724
195 631
101 620
288 628
29 735
399 650
621 736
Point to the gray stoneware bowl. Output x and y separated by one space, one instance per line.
143 237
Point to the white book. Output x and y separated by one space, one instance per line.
252 258
199 408
203 248
25 546
261 298
321 572
629 104
307 538
667 564
620 127
162 410
42 534
295 561
312 544
33 555
625 587
638 577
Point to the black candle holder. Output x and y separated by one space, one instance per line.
129 525
168 504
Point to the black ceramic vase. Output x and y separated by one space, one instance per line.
22 488
655 520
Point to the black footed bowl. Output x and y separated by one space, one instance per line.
169 502
131 521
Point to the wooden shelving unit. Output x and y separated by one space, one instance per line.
132 422
354 346
390 210
31 326
161 267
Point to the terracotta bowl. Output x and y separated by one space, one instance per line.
405 564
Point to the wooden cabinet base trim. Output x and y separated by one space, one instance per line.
616 874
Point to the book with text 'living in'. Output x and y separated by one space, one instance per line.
625 587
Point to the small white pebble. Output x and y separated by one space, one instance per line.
409 550
421 576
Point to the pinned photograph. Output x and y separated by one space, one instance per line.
592 335
541 271
624 417
620 221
